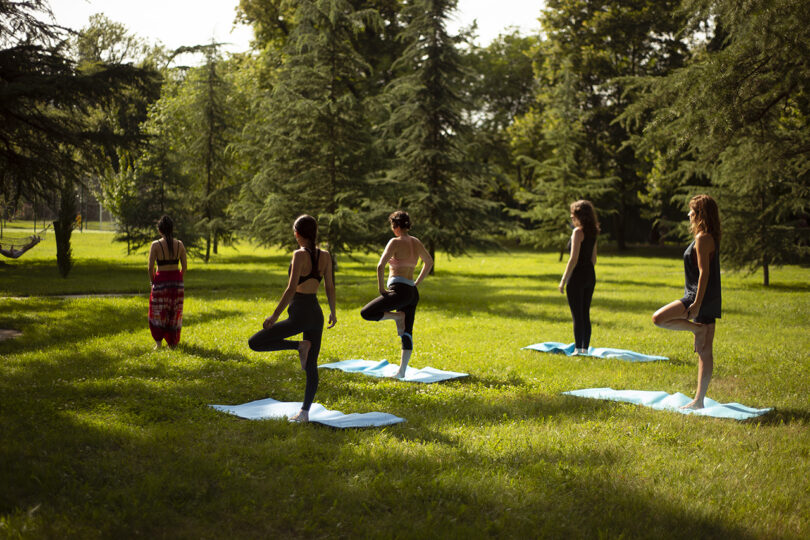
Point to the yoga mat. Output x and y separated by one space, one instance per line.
270 408
671 402
600 352
384 369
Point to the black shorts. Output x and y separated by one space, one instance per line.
702 319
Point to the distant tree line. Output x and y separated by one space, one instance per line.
348 109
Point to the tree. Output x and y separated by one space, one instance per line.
591 45
46 137
738 115
312 136
502 88
442 187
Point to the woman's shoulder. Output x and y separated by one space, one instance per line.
578 232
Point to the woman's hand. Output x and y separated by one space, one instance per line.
269 321
332 320
693 310
384 291
562 286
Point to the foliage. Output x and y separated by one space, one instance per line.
437 183
310 140
590 46
739 111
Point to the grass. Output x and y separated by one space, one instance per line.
101 437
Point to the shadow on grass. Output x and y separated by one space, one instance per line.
779 417
138 451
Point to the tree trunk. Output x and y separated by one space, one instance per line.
63 227
766 275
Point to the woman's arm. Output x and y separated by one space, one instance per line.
386 256
329 285
704 246
576 240
150 265
183 262
289 292
427 262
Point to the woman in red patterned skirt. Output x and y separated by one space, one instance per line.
166 298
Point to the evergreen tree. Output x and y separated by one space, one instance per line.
592 45
738 115
45 112
436 181
312 136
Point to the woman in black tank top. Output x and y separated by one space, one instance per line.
702 295
579 279
304 313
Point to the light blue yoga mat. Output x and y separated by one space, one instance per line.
384 369
671 402
270 408
601 352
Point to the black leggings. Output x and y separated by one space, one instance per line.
401 298
580 292
305 316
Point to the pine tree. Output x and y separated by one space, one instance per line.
435 180
738 115
312 139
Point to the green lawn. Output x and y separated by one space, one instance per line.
101 437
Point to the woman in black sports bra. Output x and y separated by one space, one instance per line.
166 296
702 300
309 264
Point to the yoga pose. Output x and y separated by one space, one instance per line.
166 297
309 265
702 299
398 300
579 278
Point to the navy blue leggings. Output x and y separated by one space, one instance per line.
305 316
401 298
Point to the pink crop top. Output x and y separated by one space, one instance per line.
410 262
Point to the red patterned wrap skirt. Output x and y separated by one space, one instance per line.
166 306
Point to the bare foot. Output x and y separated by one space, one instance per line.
700 337
303 351
694 405
399 318
302 416
398 375
157 345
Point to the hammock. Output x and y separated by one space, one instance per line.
16 247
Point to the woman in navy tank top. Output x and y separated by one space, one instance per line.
579 279
701 302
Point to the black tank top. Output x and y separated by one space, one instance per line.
313 274
712 299
585 257
166 261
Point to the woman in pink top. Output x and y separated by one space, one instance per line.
398 300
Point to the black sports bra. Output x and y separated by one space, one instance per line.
165 261
313 274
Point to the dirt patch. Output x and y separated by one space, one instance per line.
6 333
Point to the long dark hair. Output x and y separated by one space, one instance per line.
707 216
585 217
165 226
306 226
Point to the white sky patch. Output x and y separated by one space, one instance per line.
193 22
